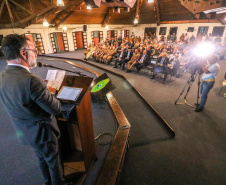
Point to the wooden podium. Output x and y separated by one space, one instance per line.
77 136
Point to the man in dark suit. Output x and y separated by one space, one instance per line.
122 55
143 61
128 57
162 63
31 106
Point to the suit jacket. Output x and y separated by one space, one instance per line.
123 55
145 60
130 54
165 62
30 106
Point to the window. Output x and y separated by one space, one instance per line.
218 30
190 29
173 30
203 30
162 30
150 31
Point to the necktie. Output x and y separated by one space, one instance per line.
142 58
128 54
162 61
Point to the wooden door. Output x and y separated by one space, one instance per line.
112 34
60 41
96 41
30 37
79 40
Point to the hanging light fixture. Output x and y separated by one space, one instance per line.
135 21
64 28
60 3
88 7
150 1
106 27
45 22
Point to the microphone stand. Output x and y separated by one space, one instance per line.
79 73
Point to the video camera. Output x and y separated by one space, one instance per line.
195 66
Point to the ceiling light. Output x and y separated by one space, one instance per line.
88 7
64 28
150 1
106 27
60 3
225 18
45 22
135 21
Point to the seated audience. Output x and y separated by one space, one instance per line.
142 61
133 60
122 56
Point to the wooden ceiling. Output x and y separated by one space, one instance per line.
21 13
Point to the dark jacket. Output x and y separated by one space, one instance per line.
145 60
165 62
123 55
130 55
30 105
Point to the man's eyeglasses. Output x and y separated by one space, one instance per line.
34 50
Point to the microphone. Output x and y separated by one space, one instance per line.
40 64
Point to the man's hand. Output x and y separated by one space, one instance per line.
52 90
161 64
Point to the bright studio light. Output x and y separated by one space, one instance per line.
64 28
150 1
60 3
203 49
45 22
88 7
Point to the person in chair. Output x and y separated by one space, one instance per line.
142 61
162 63
31 106
122 55
128 57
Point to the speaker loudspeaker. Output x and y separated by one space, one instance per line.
84 27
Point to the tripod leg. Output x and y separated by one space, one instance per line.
188 83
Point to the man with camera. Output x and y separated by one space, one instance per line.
208 80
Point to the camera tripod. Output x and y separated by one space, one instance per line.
188 87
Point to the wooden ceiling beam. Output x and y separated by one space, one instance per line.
31 6
69 14
62 10
43 4
10 12
189 21
107 16
138 8
1 8
21 7
25 21
157 12
220 20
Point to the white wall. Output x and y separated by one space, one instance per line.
182 28
138 30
